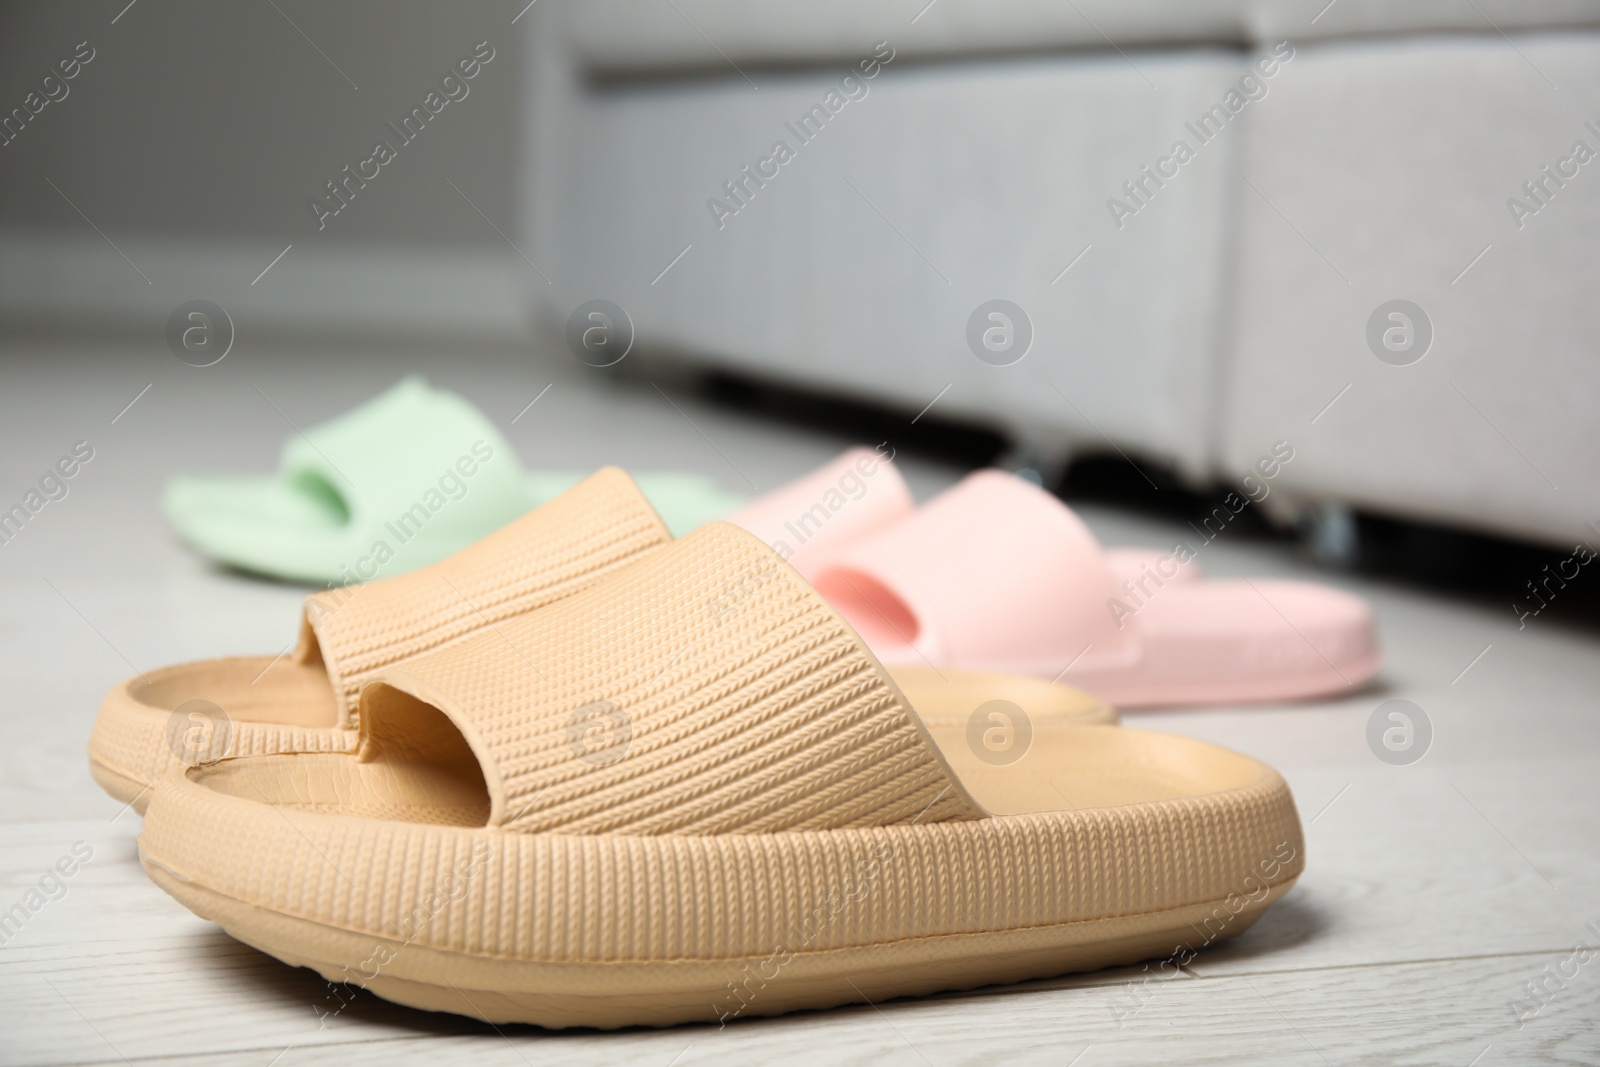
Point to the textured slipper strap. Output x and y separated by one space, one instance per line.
573 541
992 574
707 689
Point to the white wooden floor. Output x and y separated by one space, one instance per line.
1434 893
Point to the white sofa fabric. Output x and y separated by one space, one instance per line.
613 37
1208 318
858 264
1382 172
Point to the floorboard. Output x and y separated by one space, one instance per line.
1433 892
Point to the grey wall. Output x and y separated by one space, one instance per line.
220 120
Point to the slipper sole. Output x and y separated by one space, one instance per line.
612 995
383 874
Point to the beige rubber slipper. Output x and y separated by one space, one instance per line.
658 801
195 713
306 701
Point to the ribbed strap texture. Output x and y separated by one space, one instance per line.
708 689
568 544
126 743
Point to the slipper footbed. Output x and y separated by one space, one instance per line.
177 716
278 705
1063 768
274 526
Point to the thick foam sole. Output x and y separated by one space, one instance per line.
613 994
1106 846
120 786
1330 683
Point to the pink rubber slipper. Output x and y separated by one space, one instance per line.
997 575
816 518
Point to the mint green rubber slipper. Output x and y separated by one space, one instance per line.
408 478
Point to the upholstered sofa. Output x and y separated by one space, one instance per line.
1192 305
